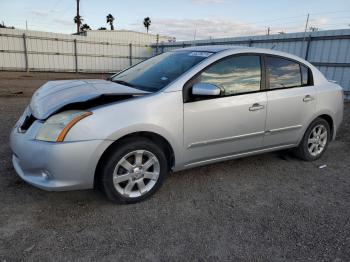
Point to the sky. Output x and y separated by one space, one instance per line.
183 19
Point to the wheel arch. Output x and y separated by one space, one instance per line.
154 137
330 121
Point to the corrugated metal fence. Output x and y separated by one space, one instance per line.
22 50
327 50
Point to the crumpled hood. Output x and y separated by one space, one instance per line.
54 95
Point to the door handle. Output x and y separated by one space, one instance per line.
308 98
256 107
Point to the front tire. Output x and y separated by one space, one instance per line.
315 140
134 170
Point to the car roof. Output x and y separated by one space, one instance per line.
210 48
237 48
243 49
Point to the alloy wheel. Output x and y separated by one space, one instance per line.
136 173
317 140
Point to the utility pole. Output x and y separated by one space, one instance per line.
268 31
307 23
26 26
78 17
157 41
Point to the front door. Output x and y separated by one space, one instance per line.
233 122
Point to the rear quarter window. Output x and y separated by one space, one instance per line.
305 75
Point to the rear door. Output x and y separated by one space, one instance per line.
291 100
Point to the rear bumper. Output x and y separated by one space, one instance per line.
56 166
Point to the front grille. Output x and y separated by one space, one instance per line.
28 121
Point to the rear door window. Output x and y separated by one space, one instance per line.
283 73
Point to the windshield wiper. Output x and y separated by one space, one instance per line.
143 88
123 83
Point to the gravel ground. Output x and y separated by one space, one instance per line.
271 207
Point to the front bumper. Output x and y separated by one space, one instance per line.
55 166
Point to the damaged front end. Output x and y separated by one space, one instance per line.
83 105
59 96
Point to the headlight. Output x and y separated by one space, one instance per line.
57 126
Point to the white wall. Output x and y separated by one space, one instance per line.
126 36
59 52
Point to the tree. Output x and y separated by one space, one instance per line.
78 20
102 28
110 19
85 27
147 23
4 26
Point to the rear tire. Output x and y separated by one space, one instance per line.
315 141
133 171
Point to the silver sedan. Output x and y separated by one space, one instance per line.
178 110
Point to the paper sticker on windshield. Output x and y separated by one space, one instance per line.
201 54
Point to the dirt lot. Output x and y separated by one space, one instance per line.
271 207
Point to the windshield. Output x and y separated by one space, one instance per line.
155 73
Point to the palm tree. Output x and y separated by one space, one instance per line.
77 20
5 26
147 23
85 27
110 20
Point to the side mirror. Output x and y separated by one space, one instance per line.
205 89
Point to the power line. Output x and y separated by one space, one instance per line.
298 16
